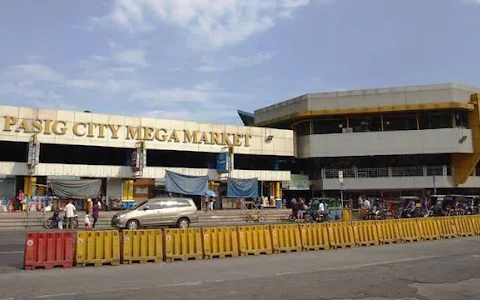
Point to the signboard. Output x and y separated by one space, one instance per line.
33 155
138 158
222 162
127 132
298 182
340 176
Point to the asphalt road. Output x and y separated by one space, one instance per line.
446 269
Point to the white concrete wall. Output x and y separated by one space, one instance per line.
385 143
13 168
281 144
398 183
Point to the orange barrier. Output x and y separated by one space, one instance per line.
254 240
48 250
447 227
388 232
428 229
341 235
285 238
365 233
409 230
314 236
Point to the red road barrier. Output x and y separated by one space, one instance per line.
48 250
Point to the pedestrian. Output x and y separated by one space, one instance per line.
20 198
87 222
69 213
95 211
210 203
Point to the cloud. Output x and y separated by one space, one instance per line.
33 72
82 83
471 1
205 101
206 86
232 61
135 57
207 23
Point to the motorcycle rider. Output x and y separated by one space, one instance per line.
321 210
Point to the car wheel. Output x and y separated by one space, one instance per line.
133 225
183 223
48 223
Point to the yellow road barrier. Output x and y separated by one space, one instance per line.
341 235
476 224
183 244
365 233
220 242
254 240
97 248
314 236
285 238
409 231
346 215
464 225
428 229
388 232
447 227
142 246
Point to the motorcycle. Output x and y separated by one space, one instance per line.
377 215
53 221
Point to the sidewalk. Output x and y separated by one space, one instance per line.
35 220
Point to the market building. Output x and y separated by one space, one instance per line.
131 154
411 140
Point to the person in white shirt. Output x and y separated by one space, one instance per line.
70 213
366 204
321 208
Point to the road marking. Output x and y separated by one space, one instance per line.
11 252
476 255
193 283
283 274
55 295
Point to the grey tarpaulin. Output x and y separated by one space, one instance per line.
185 184
242 187
76 189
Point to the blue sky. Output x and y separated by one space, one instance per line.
202 59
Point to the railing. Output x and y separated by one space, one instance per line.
333 173
372 172
387 172
407 171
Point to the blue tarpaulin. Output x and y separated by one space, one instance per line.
242 187
185 184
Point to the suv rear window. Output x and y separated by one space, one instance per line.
183 203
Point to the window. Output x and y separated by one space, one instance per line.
400 122
183 203
334 125
461 119
366 124
441 119
162 204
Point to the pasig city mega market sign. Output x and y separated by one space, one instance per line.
139 133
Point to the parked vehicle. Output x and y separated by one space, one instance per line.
407 207
53 221
473 204
178 212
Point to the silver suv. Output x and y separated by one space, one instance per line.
179 212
